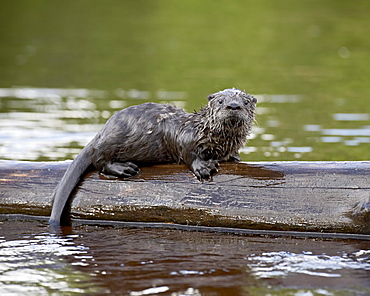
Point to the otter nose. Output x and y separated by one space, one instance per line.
233 106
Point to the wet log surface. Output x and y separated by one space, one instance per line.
289 196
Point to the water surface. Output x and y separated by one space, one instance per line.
55 124
67 66
97 260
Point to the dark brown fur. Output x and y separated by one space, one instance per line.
155 133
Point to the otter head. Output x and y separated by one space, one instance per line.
232 108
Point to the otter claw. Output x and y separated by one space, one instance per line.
204 170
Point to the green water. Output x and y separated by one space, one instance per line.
67 66
308 63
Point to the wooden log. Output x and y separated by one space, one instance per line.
289 196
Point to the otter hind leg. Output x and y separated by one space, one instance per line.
121 169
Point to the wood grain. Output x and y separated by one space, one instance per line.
290 196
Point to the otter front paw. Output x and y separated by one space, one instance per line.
121 169
204 169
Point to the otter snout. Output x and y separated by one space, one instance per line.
233 106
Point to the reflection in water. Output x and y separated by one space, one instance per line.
347 132
107 57
351 116
331 139
32 263
281 264
122 261
55 94
75 75
278 98
54 124
50 93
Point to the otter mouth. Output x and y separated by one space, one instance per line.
233 120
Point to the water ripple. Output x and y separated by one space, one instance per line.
281 264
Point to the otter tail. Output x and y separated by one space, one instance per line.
60 210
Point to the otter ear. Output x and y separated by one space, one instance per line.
211 97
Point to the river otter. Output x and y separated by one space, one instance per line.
156 133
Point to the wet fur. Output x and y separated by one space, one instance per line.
155 133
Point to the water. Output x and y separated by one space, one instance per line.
95 260
55 124
66 67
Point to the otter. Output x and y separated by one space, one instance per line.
153 133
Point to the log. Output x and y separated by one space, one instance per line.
273 196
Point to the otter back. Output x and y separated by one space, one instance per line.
156 133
